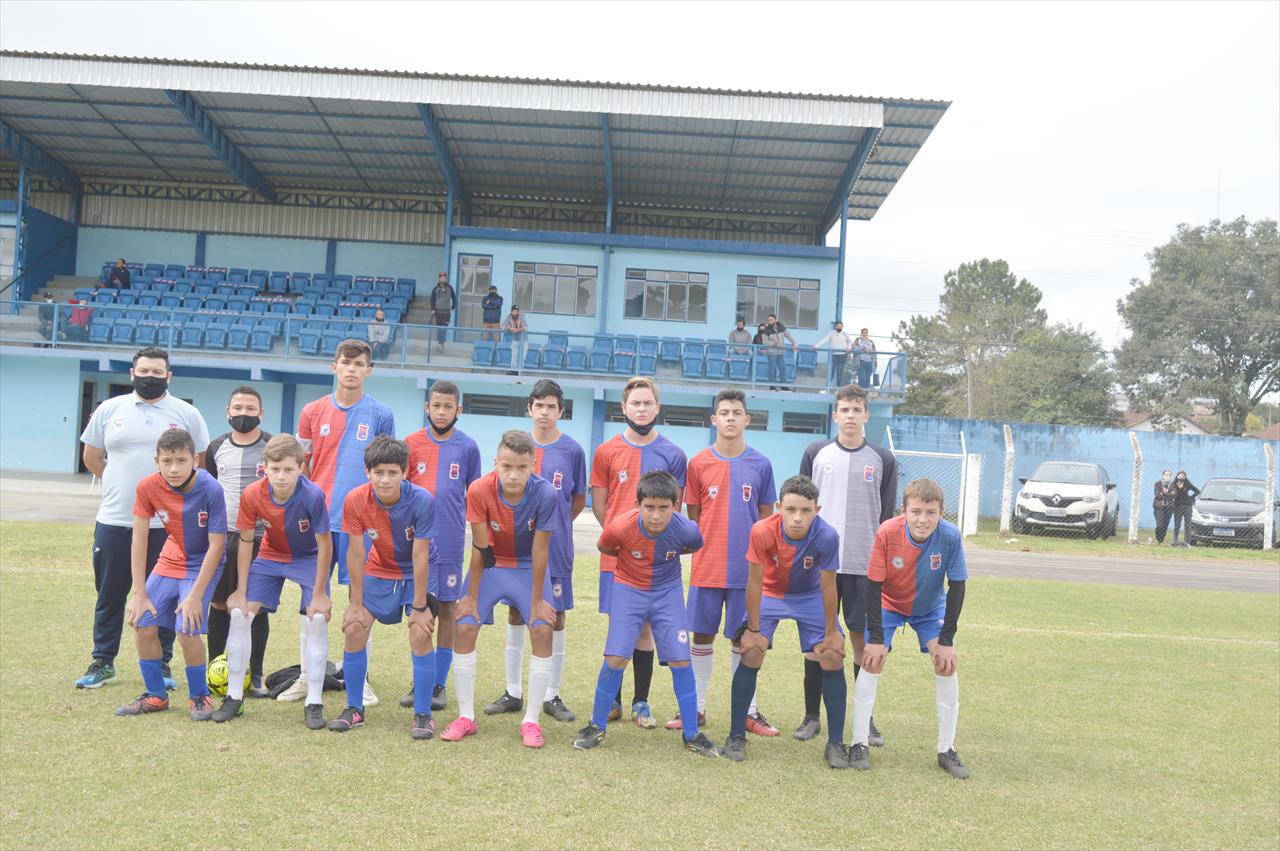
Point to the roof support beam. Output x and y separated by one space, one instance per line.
608 173
223 148
868 143
443 158
32 156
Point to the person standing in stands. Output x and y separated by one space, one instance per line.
490 320
379 335
866 349
443 302
46 312
741 338
119 278
774 335
839 344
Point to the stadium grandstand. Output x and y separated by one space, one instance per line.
264 213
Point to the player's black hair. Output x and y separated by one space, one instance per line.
152 352
517 441
657 484
729 396
801 486
245 390
447 388
387 450
544 388
851 392
176 440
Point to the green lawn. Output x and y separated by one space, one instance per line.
990 537
1093 716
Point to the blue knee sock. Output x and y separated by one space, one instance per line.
687 699
835 694
153 677
354 667
424 677
743 689
607 686
197 681
444 659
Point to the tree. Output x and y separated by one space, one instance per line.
1057 374
1206 324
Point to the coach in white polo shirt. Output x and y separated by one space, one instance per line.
120 448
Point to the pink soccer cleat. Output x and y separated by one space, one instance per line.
531 734
459 728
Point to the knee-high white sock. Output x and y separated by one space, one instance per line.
302 645
864 700
557 665
948 711
368 654
703 660
464 683
539 676
735 659
238 641
316 656
514 656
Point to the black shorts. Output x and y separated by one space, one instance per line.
229 579
851 592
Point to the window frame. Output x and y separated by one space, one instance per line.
797 289
660 281
559 277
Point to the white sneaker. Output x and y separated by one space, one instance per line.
297 691
370 699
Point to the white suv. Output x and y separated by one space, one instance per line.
1067 495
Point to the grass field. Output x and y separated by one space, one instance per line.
989 537
1093 716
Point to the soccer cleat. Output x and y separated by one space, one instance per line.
677 724
531 734
506 703
459 728
808 728
200 708
642 715
757 725
836 755
588 737
313 716
615 711
256 688
859 756
230 708
875 738
702 746
438 698
143 704
98 674
297 691
424 726
370 699
735 748
350 718
556 709
407 700
169 682
950 763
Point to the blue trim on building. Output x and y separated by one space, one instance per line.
202 240
844 232
288 402
30 154
597 418
608 172
223 148
657 243
331 257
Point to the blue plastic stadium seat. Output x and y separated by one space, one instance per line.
84 294
503 355
559 339
308 342
122 330
329 340
238 304
576 359
346 311
320 282
135 313
278 284
261 341
599 360
342 282
215 276
246 291
173 270
202 288
324 311
533 357
406 287
281 307
669 351
215 302
148 300
482 353
154 270
170 301
739 368
258 277
694 348
257 306
191 335
104 296
715 367
126 298
624 363
691 366
625 344
100 330
272 326
762 367
716 349
111 314
646 364
807 362
182 288
215 336
238 338
553 357
299 281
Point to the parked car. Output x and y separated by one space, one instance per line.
1231 511
1067 495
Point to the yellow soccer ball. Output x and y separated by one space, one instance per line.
216 675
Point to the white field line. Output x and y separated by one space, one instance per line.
1080 633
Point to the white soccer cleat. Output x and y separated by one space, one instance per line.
297 691
370 699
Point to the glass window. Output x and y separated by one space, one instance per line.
759 421
793 300
788 308
697 302
567 296
654 301
522 288
798 423
554 288
634 299
543 294
664 294
586 304
487 405
678 302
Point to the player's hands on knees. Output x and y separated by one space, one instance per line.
466 607
356 618
424 621
320 605
190 613
944 660
831 648
238 600
873 656
139 604
753 641
545 612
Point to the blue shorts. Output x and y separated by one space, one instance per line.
445 581
510 585
166 593
388 600
927 626
340 556
606 590
266 581
805 609
705 604
662 608
562 593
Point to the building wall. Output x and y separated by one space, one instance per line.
273 254
423 262
95 246
39 405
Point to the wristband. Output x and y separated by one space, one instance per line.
432 603
486 553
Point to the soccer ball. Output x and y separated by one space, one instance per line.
216 676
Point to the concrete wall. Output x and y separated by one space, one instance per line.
39 414
95 246
50 250
273 254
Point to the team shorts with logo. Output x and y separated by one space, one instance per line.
510 585
266 581
562 593
705 605
805 609
927 626
662 608
445 582
167 593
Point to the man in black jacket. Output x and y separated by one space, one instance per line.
443 302
1184 496
1163 504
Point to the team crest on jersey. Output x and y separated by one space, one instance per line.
495 525
261 470
202 519
304 525
408 533
622 475
637 554
530 524
897 562
682 636
372 533
671 555
557 480
324 429
935 561
455 470
868 473
826 468
163 515
746 493
174 425
117 423
362 431
808 562
713 492
452 581
422 467
266 524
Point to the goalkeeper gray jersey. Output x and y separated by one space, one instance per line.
858 490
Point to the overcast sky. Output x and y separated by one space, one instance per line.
1080 136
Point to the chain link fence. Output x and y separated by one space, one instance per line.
946 461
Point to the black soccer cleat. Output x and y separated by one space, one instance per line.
702 746
229 709
860 757
424 726
875 738
437 698
836 755
256 688
556 709
504 704
350 718
407 700
808 728
589 737
950 763
735 748
313 716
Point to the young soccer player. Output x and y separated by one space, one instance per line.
191 505
295 545
512 513
335 430
647 543
559 459
730 488
445 461
857 486
793 556
618 464
912 554
397 517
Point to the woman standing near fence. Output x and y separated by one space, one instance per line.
1184 496
1163 504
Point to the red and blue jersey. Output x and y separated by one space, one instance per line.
563 464
335 438
649 561
290 527
445 469
512 526
912 572
793 568
389 531
618 466
729 493
188 517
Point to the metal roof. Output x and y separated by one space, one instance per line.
784 155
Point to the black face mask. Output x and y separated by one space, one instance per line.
641 430
446 429
149 386
183 486
243 423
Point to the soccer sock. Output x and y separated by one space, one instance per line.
557 665
316 656
642 661
948 711
444 660
744 685
864 700
703 661
857 669
261 629
735 659
198 681
608 684
539 676
354 667
812 687
514 656
424 677
153 676
835 694
464 683
368 649
686 699
219 626
302 646
237 653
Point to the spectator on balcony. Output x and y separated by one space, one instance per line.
443 303
491 304
839 344
119 278
741 338
515 327
866 349
76 329
758 339
775 333
379 335
46 312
